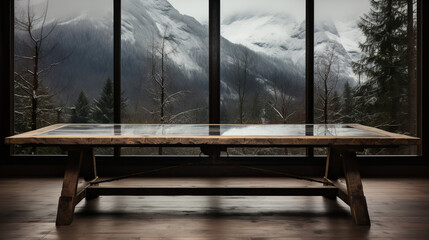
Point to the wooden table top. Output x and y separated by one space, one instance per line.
212 134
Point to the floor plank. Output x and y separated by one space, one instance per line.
398 209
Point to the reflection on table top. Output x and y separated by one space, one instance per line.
301 130
211 134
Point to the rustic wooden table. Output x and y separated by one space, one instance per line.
341 140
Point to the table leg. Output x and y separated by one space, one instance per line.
356 197
89 167
67 199
333 164
89 170
333 168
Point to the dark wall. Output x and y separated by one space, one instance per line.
6 71
54 166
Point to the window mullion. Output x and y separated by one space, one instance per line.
214 61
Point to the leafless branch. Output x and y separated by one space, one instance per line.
19 113
49 67
21 96
22 78
43 96
24 88
149 111
24 57
24 108
183 113
181 92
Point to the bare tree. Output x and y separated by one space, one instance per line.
279 101
327 76
243 62
30 92
160 90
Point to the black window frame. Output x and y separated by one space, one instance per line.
7 71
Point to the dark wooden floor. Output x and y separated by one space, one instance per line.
399 209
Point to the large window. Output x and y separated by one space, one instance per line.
263 64
262 61
63 64
164 53
365 65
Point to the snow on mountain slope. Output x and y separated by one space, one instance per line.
351 36
277 43
278 35
146 21
345 37
283 37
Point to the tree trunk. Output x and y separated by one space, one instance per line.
35 88
162 101
325 103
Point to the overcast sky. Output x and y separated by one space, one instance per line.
335 9
64 9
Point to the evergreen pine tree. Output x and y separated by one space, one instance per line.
384 64
364 105
102 109
81 110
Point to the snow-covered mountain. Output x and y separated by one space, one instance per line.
144 21
276 43
276 35
282 36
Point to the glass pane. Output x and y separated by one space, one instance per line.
365 66
228 130
263 64
63 65
164 65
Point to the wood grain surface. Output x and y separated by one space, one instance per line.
399 209
387 139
